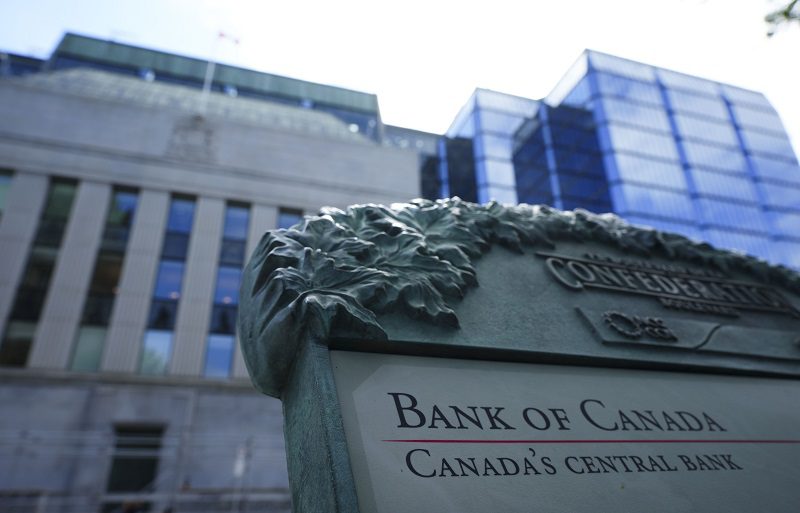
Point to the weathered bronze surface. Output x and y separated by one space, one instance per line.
340 273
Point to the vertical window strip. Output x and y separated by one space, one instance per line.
157 344
32 290
222 332
91 335
5 184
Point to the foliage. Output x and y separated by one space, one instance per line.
787 14
332 275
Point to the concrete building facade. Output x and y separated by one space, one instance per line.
127 209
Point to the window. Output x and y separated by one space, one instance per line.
5 183
134 464
157 352
288 217
219 356
90 338
157 343
222 331
32 290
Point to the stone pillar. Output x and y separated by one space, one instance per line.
63 307
199 280
24 203
129 316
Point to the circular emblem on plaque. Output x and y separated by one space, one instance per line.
623 324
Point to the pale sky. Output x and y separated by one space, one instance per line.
424 58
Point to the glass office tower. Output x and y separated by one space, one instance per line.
659 148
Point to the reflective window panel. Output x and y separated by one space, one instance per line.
715 132
181 215
463 127
638 141
288 217
156 352
783 196
169 279
739 96
698 106
641 199
714 157
580 94
499 122
787 252
786 223
632 168
497 193
499 172
733 215
619 66
506 102
493 146
630 90
236 222
88 348
765 119
227 291
768 144
622 111
776 169
219 356
672 79
710 183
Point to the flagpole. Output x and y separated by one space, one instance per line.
211 67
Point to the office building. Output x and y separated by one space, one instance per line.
659 148
129 201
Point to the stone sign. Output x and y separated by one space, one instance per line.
466 435
598 366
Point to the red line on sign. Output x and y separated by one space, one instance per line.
603 441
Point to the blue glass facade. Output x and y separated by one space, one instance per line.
659 148
490 119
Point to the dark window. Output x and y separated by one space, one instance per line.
119 221
228 279
461 168
32 291
5 184
176 246
236 221
223 319
134 466
90 338
288 217
232 252
181 214
169 279
97 310
17 343
430 183
163 314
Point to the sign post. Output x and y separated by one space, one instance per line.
598 367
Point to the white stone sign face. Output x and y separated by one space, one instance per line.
435 434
